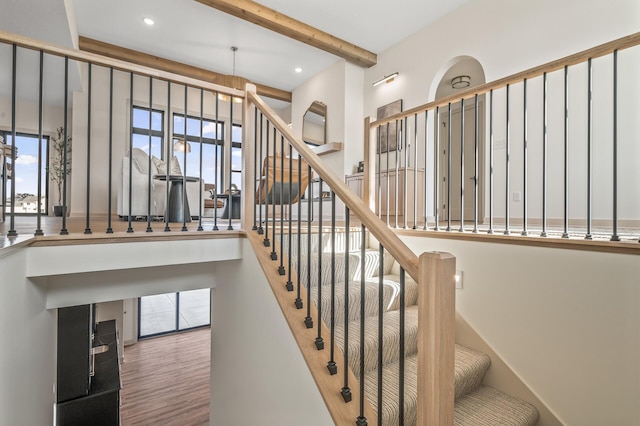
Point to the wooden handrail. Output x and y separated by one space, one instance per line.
79 55
577 58
407 259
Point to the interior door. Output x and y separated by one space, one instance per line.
459 193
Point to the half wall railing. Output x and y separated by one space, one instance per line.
545 152
112 142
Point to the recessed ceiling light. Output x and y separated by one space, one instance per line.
148 21
298 70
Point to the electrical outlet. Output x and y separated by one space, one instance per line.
459 275
517 196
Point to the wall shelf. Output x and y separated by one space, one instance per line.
327 148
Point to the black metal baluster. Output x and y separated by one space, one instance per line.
256 171
230 200
543 233
401 349
588 235
461 166
490 231
507 153
38 230
405 147
319 341
281 270
298 301
87 229
362 420
449 169
614 236
346 391
168 158
525 163
424 174
14 76
200 181
265 183
380 324
415 171
110 172
274 255
378 174
289 284
331 365
565 233
129 218
266 193
149 182
308 321
436 160
185 210
397 177
387 171
65 170
476 154
217 167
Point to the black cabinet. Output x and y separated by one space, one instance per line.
100 406
75 331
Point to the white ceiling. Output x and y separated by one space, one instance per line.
192 33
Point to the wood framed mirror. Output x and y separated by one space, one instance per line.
314 124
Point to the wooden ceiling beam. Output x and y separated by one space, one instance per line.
290 27
139 58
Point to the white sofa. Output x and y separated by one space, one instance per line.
140 170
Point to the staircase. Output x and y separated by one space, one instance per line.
475 404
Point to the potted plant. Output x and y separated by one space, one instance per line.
56 168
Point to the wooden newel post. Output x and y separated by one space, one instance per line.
436 338
248 173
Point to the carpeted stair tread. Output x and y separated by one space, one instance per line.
470 368
489 407
390 294
390 338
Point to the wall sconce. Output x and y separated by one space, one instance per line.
460 82
179 146
386 79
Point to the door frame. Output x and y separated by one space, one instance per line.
442 157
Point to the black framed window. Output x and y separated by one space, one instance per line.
172 312
31 152
142 134
211 145
236 155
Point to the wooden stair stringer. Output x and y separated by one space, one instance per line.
329 385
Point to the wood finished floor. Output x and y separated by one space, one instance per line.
165 380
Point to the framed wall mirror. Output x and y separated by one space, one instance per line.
314 124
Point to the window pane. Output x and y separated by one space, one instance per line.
236 133
236 159
157 314
141 118
194 308
211 130
142 142
26 175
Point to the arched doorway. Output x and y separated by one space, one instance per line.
461 144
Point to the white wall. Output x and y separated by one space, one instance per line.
254 356
566 321
327 87
27 352
507 37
